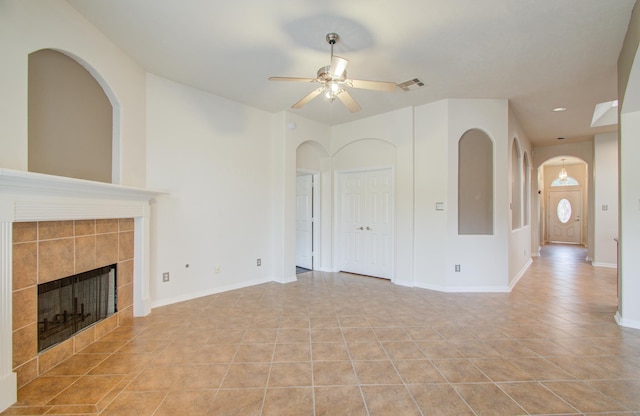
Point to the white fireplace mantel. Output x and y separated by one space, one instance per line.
27 197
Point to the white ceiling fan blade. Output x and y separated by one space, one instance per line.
313 94
348 101
373 85
338 66
292 79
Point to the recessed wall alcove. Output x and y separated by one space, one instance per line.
475 183
70 119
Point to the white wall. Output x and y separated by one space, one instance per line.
605 175
629 174
287 141
629 267
520 238
208 153
431 186
482 258
28 26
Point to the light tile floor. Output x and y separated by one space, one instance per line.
339 344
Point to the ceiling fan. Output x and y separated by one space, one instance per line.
334 81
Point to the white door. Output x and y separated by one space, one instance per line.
565 216
366 223
304 221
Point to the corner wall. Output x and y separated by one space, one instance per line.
605 175
287 142
629 173
520 247
212 157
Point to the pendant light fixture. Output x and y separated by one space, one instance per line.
563 173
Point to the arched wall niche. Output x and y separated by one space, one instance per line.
475 183
526 195
73 123
516 185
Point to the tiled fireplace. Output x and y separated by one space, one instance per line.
52 227
46 251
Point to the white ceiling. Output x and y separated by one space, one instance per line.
539 54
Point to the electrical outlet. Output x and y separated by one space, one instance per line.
259 262
457 267
218 269
165 276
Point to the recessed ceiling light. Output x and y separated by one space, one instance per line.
559 109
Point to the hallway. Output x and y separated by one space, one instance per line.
334 343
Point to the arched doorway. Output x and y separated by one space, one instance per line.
312 165
563 186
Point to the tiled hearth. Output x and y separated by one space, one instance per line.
46 251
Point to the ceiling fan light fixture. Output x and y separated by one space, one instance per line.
335 83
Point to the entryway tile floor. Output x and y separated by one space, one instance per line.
341 344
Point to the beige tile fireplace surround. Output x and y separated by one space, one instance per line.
50 250
52 227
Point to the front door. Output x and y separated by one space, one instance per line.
366 223
565 216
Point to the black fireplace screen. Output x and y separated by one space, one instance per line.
65 306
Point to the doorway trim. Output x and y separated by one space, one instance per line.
337 213
315 222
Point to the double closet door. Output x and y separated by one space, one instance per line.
366 223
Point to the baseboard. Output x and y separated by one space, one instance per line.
142 308
521 273
608 265
208 292
283 280
435 288
8 391
464 289
406 283
627 323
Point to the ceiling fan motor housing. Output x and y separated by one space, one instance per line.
326 76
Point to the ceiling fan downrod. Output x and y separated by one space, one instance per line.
332 39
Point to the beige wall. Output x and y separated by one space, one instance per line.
70 119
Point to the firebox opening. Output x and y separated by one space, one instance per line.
70 304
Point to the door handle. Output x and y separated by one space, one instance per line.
369 229
360 228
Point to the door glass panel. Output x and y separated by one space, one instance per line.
564 210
